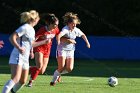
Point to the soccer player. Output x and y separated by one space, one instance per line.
23 39
1 44
42 53
65 50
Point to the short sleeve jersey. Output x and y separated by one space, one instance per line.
70 35
26 35
49 34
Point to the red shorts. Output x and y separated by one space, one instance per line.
44 51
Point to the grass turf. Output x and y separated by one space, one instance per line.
88 76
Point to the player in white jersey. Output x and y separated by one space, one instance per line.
65 50
23 39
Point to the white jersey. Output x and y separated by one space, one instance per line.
26 35
71 35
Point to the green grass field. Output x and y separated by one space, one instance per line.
88 76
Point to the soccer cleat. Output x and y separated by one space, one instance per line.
59 79
12 91
30 83
52 83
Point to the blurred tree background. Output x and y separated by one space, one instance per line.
99 17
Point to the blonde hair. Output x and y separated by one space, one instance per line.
29 16
69 17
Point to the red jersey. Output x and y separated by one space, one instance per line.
49 35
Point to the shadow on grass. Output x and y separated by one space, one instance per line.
89 68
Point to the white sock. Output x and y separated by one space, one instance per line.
8 86
55 76
17 87
64 71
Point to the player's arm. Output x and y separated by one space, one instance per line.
40 34
40 37
13 40
39 43
67 40
86 40
58 37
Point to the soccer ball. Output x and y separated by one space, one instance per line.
112 81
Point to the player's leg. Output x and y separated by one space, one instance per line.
36 69
22 81
44 66
69 62
57 73
45 60
61 64
15 77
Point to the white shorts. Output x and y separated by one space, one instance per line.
66 53
14 59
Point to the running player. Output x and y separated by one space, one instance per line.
42 53
23 39
65 50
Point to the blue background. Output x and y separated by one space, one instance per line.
122 48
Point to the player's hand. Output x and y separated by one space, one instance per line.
43 37
72 41
32 55
88 45
21 50
47 41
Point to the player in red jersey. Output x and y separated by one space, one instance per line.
42 52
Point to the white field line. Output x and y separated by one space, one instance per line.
82 79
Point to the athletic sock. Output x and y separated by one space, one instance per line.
64 71
8 86
55 76
18 86
31 69
34 72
